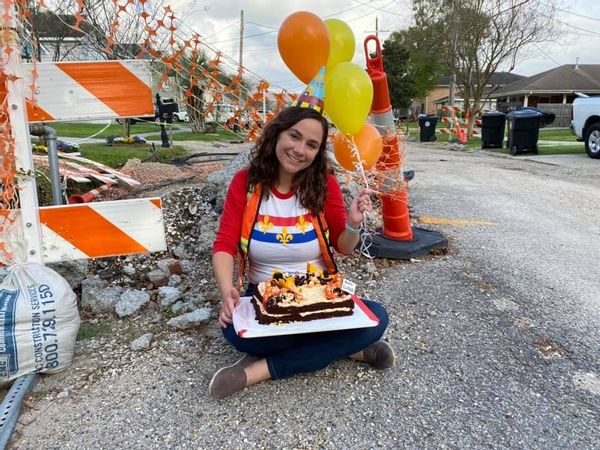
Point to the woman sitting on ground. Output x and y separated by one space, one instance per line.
290 163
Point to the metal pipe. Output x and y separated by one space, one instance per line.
50 137
11 405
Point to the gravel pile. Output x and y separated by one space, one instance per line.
156 172
130 304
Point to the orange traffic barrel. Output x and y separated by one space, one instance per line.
396 217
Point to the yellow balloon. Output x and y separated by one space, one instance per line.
348 96
341 42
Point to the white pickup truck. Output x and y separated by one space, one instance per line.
586 124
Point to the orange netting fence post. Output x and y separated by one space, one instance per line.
20 233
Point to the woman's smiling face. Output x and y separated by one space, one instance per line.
298 146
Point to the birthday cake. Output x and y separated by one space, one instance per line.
288 297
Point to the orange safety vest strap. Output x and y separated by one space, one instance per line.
253 199
323 237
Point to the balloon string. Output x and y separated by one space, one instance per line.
366 237
358 164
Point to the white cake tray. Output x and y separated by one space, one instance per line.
246 326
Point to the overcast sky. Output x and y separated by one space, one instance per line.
218 22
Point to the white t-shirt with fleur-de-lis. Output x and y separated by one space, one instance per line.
283 238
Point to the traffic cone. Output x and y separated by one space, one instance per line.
397 240
461 134
88 196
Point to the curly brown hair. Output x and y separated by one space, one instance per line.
311 183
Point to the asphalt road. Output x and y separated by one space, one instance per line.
498 341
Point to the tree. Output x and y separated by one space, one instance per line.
489 34
471 39
416 58
191 65
56 31
427 44
400 80
110 30
196 78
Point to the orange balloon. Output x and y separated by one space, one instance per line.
303 43
368 142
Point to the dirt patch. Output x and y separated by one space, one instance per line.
549 349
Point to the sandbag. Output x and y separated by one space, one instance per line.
39 322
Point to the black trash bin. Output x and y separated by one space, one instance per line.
492 129
523 130
427 128
547 118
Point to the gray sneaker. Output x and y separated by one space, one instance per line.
231 379
380 355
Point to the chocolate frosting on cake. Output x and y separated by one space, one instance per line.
299 298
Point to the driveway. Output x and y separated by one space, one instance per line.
575 161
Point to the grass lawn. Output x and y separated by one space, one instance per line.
117 156
546 134
557 134
86 129
220 135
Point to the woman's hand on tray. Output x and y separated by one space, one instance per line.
228 304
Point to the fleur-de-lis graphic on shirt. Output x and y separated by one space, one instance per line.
284 237
265 225
302 224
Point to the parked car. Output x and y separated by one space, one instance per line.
141 119
586 124
181 116
221 114
167 106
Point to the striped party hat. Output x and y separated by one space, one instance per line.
313 95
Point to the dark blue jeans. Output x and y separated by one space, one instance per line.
297 353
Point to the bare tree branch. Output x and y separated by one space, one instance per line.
493 33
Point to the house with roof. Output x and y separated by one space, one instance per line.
57 39
60 37
553 90
439 96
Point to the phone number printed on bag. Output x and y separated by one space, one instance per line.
43 327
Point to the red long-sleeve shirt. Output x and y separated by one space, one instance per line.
230 227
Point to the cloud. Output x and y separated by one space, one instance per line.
218 21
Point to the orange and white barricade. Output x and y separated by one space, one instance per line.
72 91
68 92
102 229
